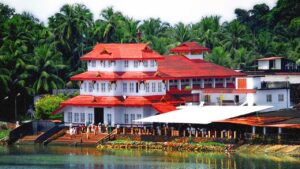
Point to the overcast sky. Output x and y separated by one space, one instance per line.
171 11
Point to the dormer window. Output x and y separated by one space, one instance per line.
152 63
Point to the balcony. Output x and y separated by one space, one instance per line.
275 85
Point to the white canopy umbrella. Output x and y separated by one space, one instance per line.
202 115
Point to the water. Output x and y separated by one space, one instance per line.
35 157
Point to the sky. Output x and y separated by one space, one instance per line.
172 11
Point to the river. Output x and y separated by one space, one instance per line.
36 157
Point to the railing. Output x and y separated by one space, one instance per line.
275 85
49 133
109 137
17 133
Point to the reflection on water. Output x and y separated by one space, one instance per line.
87 157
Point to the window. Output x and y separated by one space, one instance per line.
109 119
126 63
152 62
85 87
90 87
124 87
126 118
136 63
269 98
109 86
145 63
70 117
153 87
280 97
90 118
132 118
103 63
82 117
113 63
159 87
109 63
102 87
93 63
97 87
147 87
76 117
138 116
131 87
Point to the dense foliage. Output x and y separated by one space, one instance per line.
36 58
45 105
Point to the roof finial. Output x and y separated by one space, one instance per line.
139 33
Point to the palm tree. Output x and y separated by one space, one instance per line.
129 31
45 68
182 32
111 20
220 56
70 27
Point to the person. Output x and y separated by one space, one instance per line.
87 132
17 124
99 128
96 130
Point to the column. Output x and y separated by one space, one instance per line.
213 83
179 84
225 83
202 83
191 83
253 129
265 130
168 85
279 130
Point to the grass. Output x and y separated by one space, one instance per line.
4 133
210 143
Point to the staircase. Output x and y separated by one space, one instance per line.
79 139
28 139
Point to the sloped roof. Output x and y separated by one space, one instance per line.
95 75
271 58
189 47
179 66
114 51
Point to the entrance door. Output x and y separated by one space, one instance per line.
137 87
99 115
236 98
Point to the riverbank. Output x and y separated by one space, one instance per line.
276 150
164 146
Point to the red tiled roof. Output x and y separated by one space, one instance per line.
271 58
163 107
178 66
94 75
189 47
121 52
227 90
130 101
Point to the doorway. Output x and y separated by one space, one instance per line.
99 115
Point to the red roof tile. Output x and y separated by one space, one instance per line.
189 47
94 75
178 66
121 52
271 58
163 107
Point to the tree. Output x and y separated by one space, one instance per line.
47 104
45 68
220 56
182 32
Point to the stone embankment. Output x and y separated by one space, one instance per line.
277 150
165 146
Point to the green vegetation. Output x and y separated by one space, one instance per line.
4 133
46 105
36 58
210 144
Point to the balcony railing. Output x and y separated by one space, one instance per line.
275 85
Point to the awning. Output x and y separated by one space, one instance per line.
203 115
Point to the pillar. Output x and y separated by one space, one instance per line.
179 84
265 130
183 133
234 134
215 133
225 83
209 134
202 133
222 134
168 85
202 83
279 130
124 130
191 83
253 129
213 85
228 134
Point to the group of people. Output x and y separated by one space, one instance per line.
88 129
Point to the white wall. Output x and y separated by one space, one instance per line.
293 79
117 89
227 96
261 98
79 110
195 56
119 66
263 64
278 64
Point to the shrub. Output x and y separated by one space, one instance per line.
46 105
